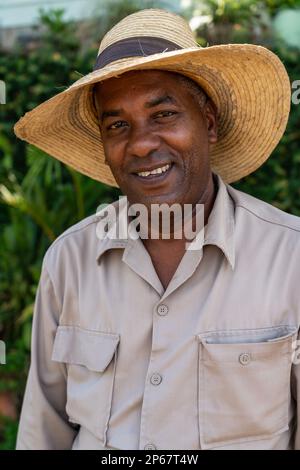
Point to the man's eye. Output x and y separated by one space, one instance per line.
116 125
165 114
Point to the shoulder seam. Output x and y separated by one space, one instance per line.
266 220
60 237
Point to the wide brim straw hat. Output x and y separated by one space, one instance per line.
247 83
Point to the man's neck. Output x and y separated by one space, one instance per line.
166 254
207 199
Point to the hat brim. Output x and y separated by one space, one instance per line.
248 84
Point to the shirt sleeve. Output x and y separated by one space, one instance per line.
43 422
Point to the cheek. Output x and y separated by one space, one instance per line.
179 138
188 133
188 143
113 153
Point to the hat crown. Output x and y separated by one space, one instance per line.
151 22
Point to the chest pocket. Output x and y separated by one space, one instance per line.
244 385
90 357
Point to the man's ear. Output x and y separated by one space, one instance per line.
212 122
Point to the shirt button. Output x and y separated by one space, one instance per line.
156 379
162 310
149 447
244 358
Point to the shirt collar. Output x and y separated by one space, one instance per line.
114 237
219 230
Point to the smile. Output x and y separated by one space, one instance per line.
154 173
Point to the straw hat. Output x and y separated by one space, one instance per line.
248 84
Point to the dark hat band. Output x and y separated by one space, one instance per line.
134 47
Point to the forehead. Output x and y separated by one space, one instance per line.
135 83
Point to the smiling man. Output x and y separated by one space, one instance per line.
139 342
154 121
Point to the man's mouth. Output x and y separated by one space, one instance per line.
157 172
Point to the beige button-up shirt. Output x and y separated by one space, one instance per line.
209 363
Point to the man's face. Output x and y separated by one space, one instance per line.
148 120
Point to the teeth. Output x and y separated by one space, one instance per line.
157 171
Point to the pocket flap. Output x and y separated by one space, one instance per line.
92 349
226 346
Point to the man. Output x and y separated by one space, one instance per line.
167 343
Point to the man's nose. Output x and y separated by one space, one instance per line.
142 141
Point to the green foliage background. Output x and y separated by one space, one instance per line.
40 197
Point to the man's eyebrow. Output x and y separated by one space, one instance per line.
113 112
149 104
160 100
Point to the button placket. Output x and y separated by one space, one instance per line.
153 378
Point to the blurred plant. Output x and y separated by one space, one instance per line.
9 427
230 21
275 6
